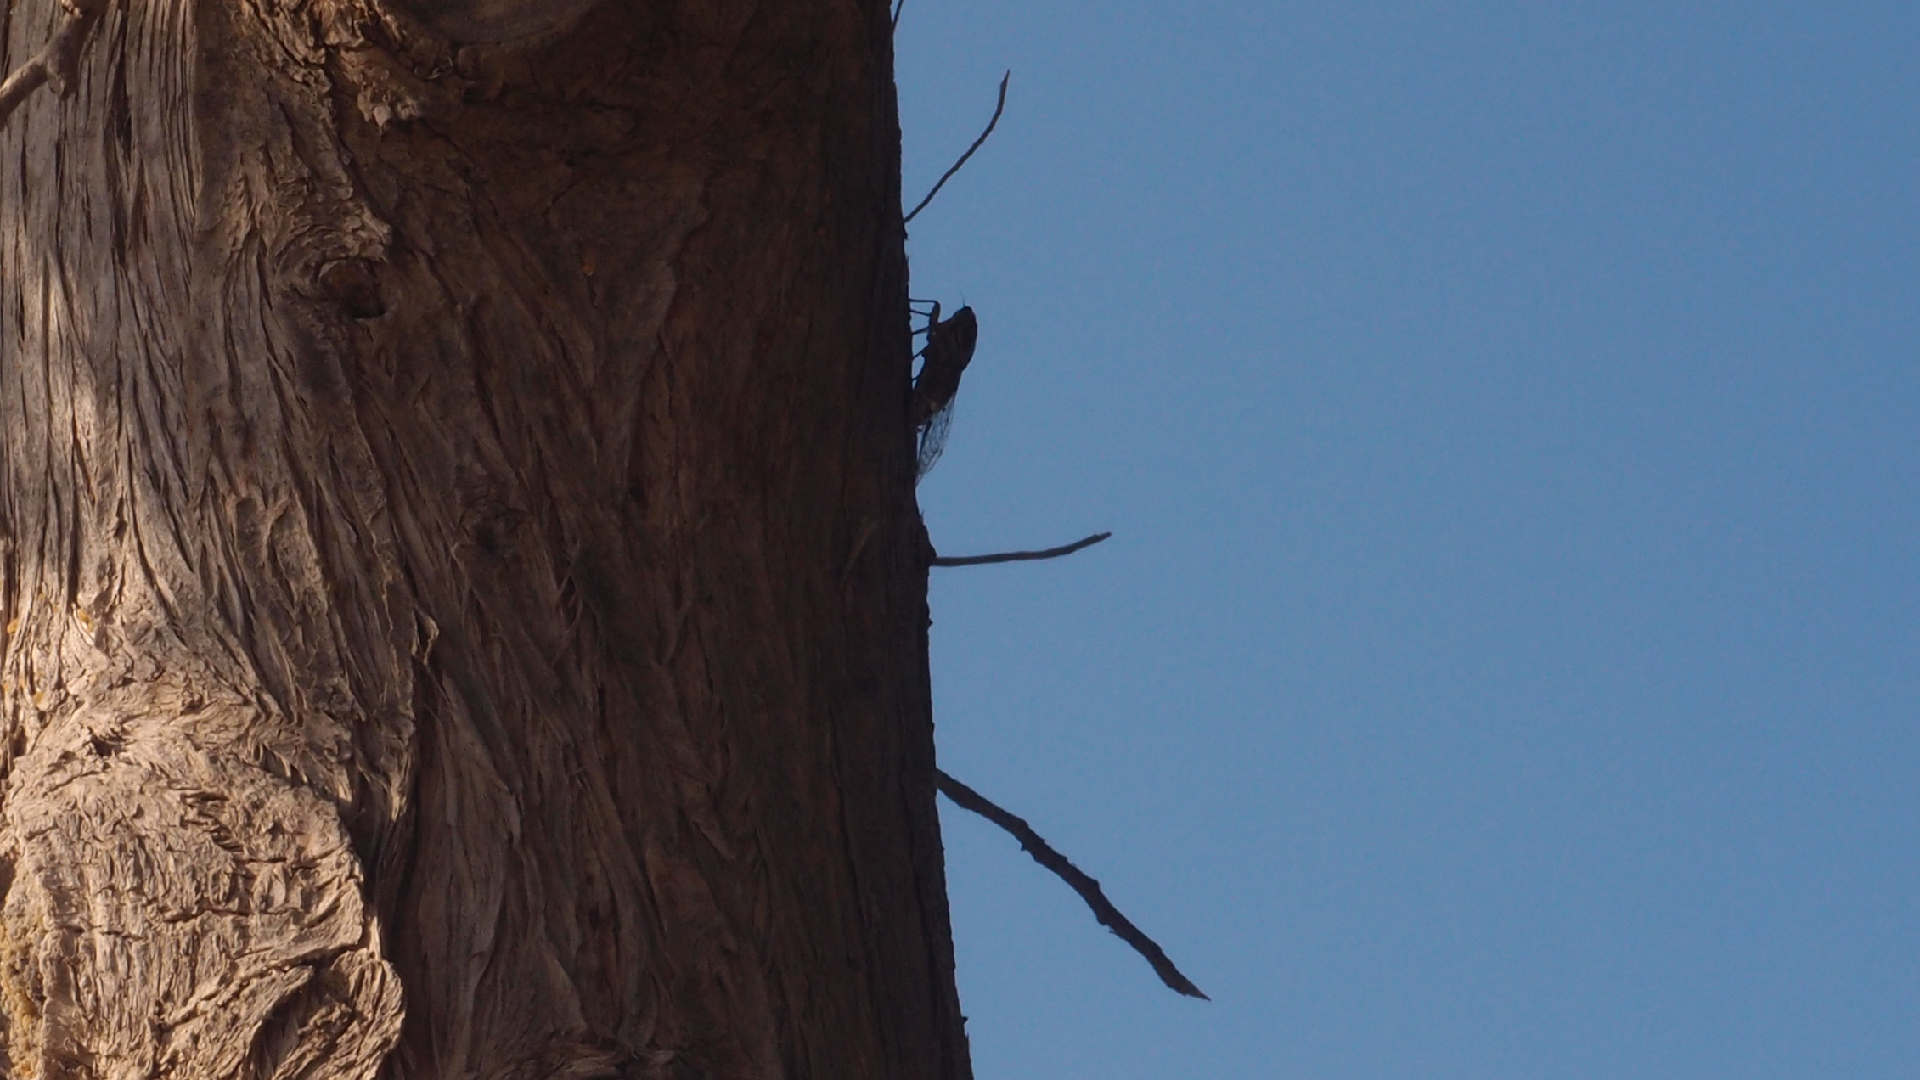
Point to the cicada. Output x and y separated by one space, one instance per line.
948 350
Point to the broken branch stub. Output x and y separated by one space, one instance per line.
1043 853
998 108
1020 556
58 63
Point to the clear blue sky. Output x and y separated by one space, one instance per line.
1507 660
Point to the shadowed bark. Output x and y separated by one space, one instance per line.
464 606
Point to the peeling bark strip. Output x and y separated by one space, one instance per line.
464 606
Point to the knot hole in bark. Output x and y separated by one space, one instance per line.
353 286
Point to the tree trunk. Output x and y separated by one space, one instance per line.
464 600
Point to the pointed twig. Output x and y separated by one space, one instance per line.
948 175
897 5
1019 556
58 62
1043 853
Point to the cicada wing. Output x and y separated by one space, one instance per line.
933 439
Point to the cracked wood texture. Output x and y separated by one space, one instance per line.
464 606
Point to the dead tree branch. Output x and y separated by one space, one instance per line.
948 175
1043 853
57 63
1020 556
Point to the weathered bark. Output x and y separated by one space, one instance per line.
464 603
